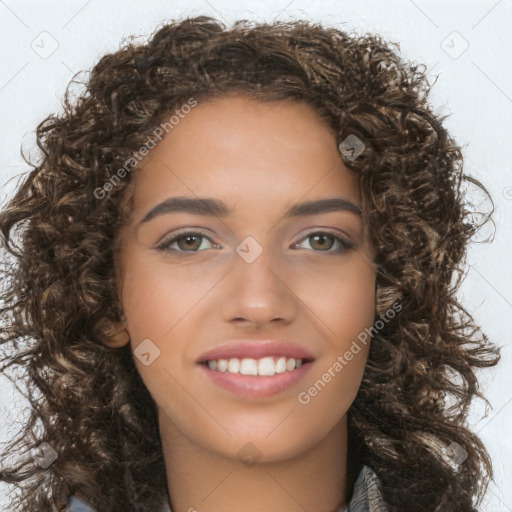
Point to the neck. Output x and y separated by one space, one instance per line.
201 480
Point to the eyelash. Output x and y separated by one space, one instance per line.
344 243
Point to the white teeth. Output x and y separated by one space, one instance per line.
267 366
281 365
234 365
248 367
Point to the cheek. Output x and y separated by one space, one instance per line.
156 298
345 303
355 310
342 298
159 305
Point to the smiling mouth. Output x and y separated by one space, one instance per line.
265 366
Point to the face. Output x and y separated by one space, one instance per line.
192 282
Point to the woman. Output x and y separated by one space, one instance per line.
194 344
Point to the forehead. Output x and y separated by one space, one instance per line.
246 150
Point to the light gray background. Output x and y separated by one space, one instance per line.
474 86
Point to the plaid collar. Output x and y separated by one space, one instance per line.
366 497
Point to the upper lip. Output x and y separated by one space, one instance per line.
256 350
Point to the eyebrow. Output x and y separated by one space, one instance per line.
215 207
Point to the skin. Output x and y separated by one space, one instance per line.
259 158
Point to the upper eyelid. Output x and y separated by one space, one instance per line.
181 232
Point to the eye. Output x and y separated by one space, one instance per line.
191 242
186 241
321 241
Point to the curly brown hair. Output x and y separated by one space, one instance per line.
60 298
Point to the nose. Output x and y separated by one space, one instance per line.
259 292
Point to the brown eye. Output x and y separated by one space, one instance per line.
321 241
186 242
189 242
324 242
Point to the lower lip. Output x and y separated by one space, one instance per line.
254 386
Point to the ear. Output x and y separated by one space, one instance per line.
116 335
